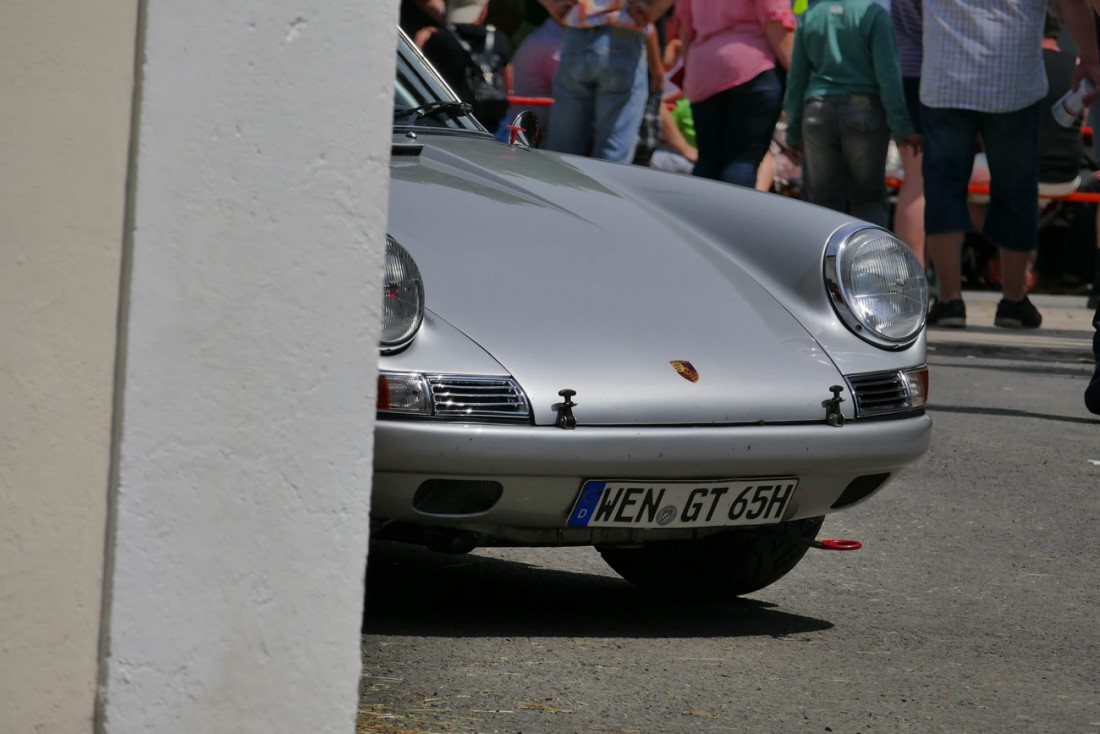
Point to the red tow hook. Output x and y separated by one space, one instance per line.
836 544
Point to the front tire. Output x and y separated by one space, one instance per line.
720 566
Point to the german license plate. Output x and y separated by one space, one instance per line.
679 504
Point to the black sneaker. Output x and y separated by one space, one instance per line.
1017 315
951 314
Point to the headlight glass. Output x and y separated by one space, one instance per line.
402 298
877 285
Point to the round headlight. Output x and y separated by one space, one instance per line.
877 285
402 298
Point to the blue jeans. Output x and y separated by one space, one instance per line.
846 140
600 89
1011 141
734 128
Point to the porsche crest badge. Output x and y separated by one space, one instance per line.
686 369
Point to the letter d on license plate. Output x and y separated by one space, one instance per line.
604 504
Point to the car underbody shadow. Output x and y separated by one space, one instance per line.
413 591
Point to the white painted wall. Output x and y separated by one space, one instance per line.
66 78
250 314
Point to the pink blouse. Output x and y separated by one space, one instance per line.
727 42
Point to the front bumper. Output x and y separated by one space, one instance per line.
541 469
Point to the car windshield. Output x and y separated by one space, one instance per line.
421 98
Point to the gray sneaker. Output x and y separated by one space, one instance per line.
1017 315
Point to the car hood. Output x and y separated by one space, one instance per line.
570 281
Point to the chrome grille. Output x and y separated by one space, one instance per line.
878 393
461 396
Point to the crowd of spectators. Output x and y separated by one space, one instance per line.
811 97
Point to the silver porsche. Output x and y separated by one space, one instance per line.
686 375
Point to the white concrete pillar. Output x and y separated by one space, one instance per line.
251 349
247 235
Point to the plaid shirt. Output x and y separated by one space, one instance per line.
983 55
649 134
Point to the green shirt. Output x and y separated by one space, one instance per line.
845 47
681 115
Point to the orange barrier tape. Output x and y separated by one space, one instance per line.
548 101
531 101
1079 197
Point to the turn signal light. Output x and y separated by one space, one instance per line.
401 392
917 380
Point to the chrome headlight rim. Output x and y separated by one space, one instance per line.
402 282
841 297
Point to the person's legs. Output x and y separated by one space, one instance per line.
574 95
649 132
622 89
765 174
1092 392
945 253
865 141
950 138
1014 273
734 128
1096 335
1094 123
753 108
822 154
710 135
1094 294
909 213
1011 142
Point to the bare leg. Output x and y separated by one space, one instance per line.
945 251
765 174
1014 274
909 213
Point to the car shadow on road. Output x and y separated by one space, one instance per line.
412 591
1049 365
1009 413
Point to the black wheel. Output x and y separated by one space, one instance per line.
719 566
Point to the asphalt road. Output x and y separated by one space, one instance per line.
971 608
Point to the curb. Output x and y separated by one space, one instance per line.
1066 333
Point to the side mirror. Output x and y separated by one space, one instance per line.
526 129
